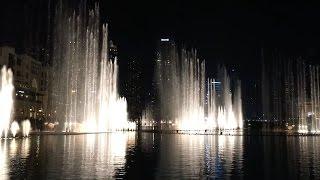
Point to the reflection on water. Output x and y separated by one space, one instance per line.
159 156
94 156
13 153
310 154
194 156
3 161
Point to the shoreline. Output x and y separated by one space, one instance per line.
212 133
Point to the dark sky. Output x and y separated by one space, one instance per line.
215 25
229 32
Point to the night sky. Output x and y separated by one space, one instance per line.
224 32
232 32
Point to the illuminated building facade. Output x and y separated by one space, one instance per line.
30 82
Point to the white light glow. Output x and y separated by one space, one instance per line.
6 100
4 169
26 128
191 102
164 40
14 128
87 99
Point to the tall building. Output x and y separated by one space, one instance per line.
251 99
134 89
30 83
133 84
165 60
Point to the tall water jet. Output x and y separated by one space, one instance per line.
6 100
85 81
308 107
315 98
228 103
191 102
14 128
147 121
181 86
301 97
291 96
26 128
224 108
191 114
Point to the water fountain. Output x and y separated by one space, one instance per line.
6 101
291 95
26 128
85 81
185 99
224 109
14 128
308 106
147 120
191 111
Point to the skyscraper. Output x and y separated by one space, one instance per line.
165 62
134 88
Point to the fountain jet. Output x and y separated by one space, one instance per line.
85 81
26 128
190 101
6 100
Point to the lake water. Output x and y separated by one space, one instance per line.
132 155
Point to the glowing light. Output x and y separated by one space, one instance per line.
147 119
25 148
14 128
88 99
4 169
26 128
308 108
6 101
13 147
192 104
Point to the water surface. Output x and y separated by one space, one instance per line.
160 156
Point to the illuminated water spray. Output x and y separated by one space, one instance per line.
85 81
26 128
308 98
6 101
224 108
191 101
14 128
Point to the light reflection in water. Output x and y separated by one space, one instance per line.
193 156
231 148
25 148
3 160
309 157
13 147
159 156
96 155
13 152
